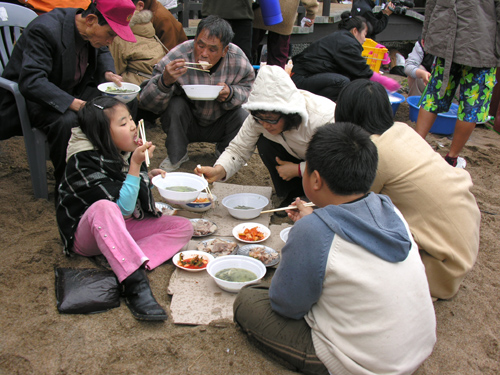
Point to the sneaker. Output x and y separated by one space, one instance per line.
167 166
461 163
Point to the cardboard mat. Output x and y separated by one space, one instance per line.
196 299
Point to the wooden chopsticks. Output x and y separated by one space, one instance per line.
207 189
142 132
201 70
309 204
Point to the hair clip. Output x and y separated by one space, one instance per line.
99 106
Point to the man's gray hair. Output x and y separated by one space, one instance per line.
216 27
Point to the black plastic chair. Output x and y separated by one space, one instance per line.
13 18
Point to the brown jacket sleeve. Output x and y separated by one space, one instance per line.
168 29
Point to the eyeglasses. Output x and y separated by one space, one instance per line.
270 122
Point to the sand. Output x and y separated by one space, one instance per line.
36 339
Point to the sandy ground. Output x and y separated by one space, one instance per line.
36 339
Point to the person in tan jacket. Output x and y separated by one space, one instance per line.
168 29
278 38
135 61
434 198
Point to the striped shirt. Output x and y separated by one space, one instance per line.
234 70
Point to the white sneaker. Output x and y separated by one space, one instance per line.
167 166
461 162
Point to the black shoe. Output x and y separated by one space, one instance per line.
139 298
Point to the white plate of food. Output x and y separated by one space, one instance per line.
164 208
192 260
203 227
251 232
265 254
218 247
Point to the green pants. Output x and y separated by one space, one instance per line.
286 338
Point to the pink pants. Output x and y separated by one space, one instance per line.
129 243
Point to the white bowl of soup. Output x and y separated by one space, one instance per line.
124 93
245 205
233 272
202 92
179 187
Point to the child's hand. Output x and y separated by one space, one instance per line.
300 212
139 155
286 169
155 172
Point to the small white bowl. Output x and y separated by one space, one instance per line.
202 92
179 179
124 97
191 254
235 261
284 234
199 206
255 201
241 228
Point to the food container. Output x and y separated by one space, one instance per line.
445 122
188 254
240 228
172 179
250 205
235 261
396 99
199 206
110 89
202 92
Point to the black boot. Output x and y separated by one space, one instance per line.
140 299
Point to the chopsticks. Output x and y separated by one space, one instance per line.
308 204
207 189
142 131
201 70
198 63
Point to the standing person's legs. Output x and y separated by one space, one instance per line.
257 37
286 338
175 122
476 86
328 85
242 35
268 151
278 48
221 131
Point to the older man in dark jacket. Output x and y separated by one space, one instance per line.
58 62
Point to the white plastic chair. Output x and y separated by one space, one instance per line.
13 18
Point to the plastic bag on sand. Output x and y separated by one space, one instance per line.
84 291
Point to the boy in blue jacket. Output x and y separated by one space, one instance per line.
350 295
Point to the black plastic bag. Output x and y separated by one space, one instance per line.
85 291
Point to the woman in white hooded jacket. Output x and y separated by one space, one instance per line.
282 121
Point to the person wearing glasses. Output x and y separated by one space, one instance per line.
282 121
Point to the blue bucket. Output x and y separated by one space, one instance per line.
271 12
396 100
445 122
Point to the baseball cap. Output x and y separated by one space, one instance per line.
118 14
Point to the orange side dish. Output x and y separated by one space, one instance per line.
252 234
196 262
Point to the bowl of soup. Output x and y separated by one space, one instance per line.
179 187
245 205
124 93
233 272
202 92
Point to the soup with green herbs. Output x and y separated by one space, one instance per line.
181 189
243 208
238 275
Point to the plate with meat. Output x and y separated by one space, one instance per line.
251 232
203 227
218 247
164 208
265 254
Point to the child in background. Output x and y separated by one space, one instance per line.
350 294
106 206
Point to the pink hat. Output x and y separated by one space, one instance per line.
118 14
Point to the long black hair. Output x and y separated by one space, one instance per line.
94 120
365 103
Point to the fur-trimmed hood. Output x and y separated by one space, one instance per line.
274 90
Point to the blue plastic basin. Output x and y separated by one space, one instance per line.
396 100
445 122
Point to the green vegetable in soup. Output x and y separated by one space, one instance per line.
118 90
243 208
238 275
182 189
